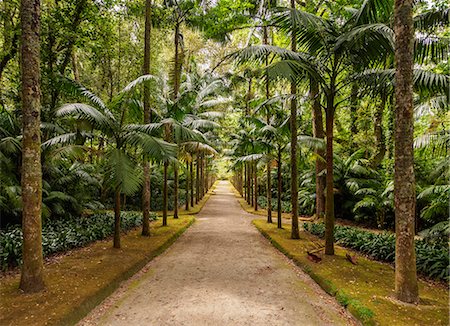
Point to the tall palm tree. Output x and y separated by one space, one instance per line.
112 124
147 117
406 286
357 39
31 279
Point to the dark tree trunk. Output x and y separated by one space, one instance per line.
197 180
250 177
147 118
165 194
329 214
406 286
116 243
280 183
256 185
293 123
320 153
192 181
175 190
187 187
32 278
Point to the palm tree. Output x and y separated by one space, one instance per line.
118 162
32 278
406 286
358 39
147 117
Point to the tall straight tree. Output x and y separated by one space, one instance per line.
406 287
147 119
32 278
293 120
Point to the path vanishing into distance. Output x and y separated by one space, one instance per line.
220 272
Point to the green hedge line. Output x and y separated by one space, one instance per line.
62 235
432 258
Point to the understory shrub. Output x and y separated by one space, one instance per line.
432 258
62 235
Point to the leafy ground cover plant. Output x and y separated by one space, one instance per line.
432 258
62 235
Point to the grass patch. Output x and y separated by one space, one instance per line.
80 280
365 289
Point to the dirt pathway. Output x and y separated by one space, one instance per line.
220 272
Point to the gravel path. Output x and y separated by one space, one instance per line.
220 272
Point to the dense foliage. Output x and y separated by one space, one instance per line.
432 257
64 234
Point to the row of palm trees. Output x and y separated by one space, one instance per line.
328 56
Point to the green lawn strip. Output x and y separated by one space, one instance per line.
80 280
366 289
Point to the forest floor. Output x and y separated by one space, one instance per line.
220 272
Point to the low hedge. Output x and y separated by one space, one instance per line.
62 235
432 258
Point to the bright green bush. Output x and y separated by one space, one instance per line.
62 235
432 258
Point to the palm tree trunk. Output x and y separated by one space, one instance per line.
353 110
116 243
32 277
197 180
293 121
329 214
187 186
378 131
147 119
318 133
202 172
406 287
250 177
175 190
165 195
256 185
192 181
280 180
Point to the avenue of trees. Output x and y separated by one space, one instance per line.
337 109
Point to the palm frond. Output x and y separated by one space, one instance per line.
85 112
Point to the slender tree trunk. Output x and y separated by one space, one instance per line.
147 119
256 185
197 180
320 153
202 190
406 286
353 110
280 183
192 181
250 177
293 122
329 215
165 194
32 278
378 131
269 185
76 73
187 186
175 190
117 219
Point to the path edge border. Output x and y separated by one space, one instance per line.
354 306
81 311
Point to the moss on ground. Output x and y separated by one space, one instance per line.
366 289
80 280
